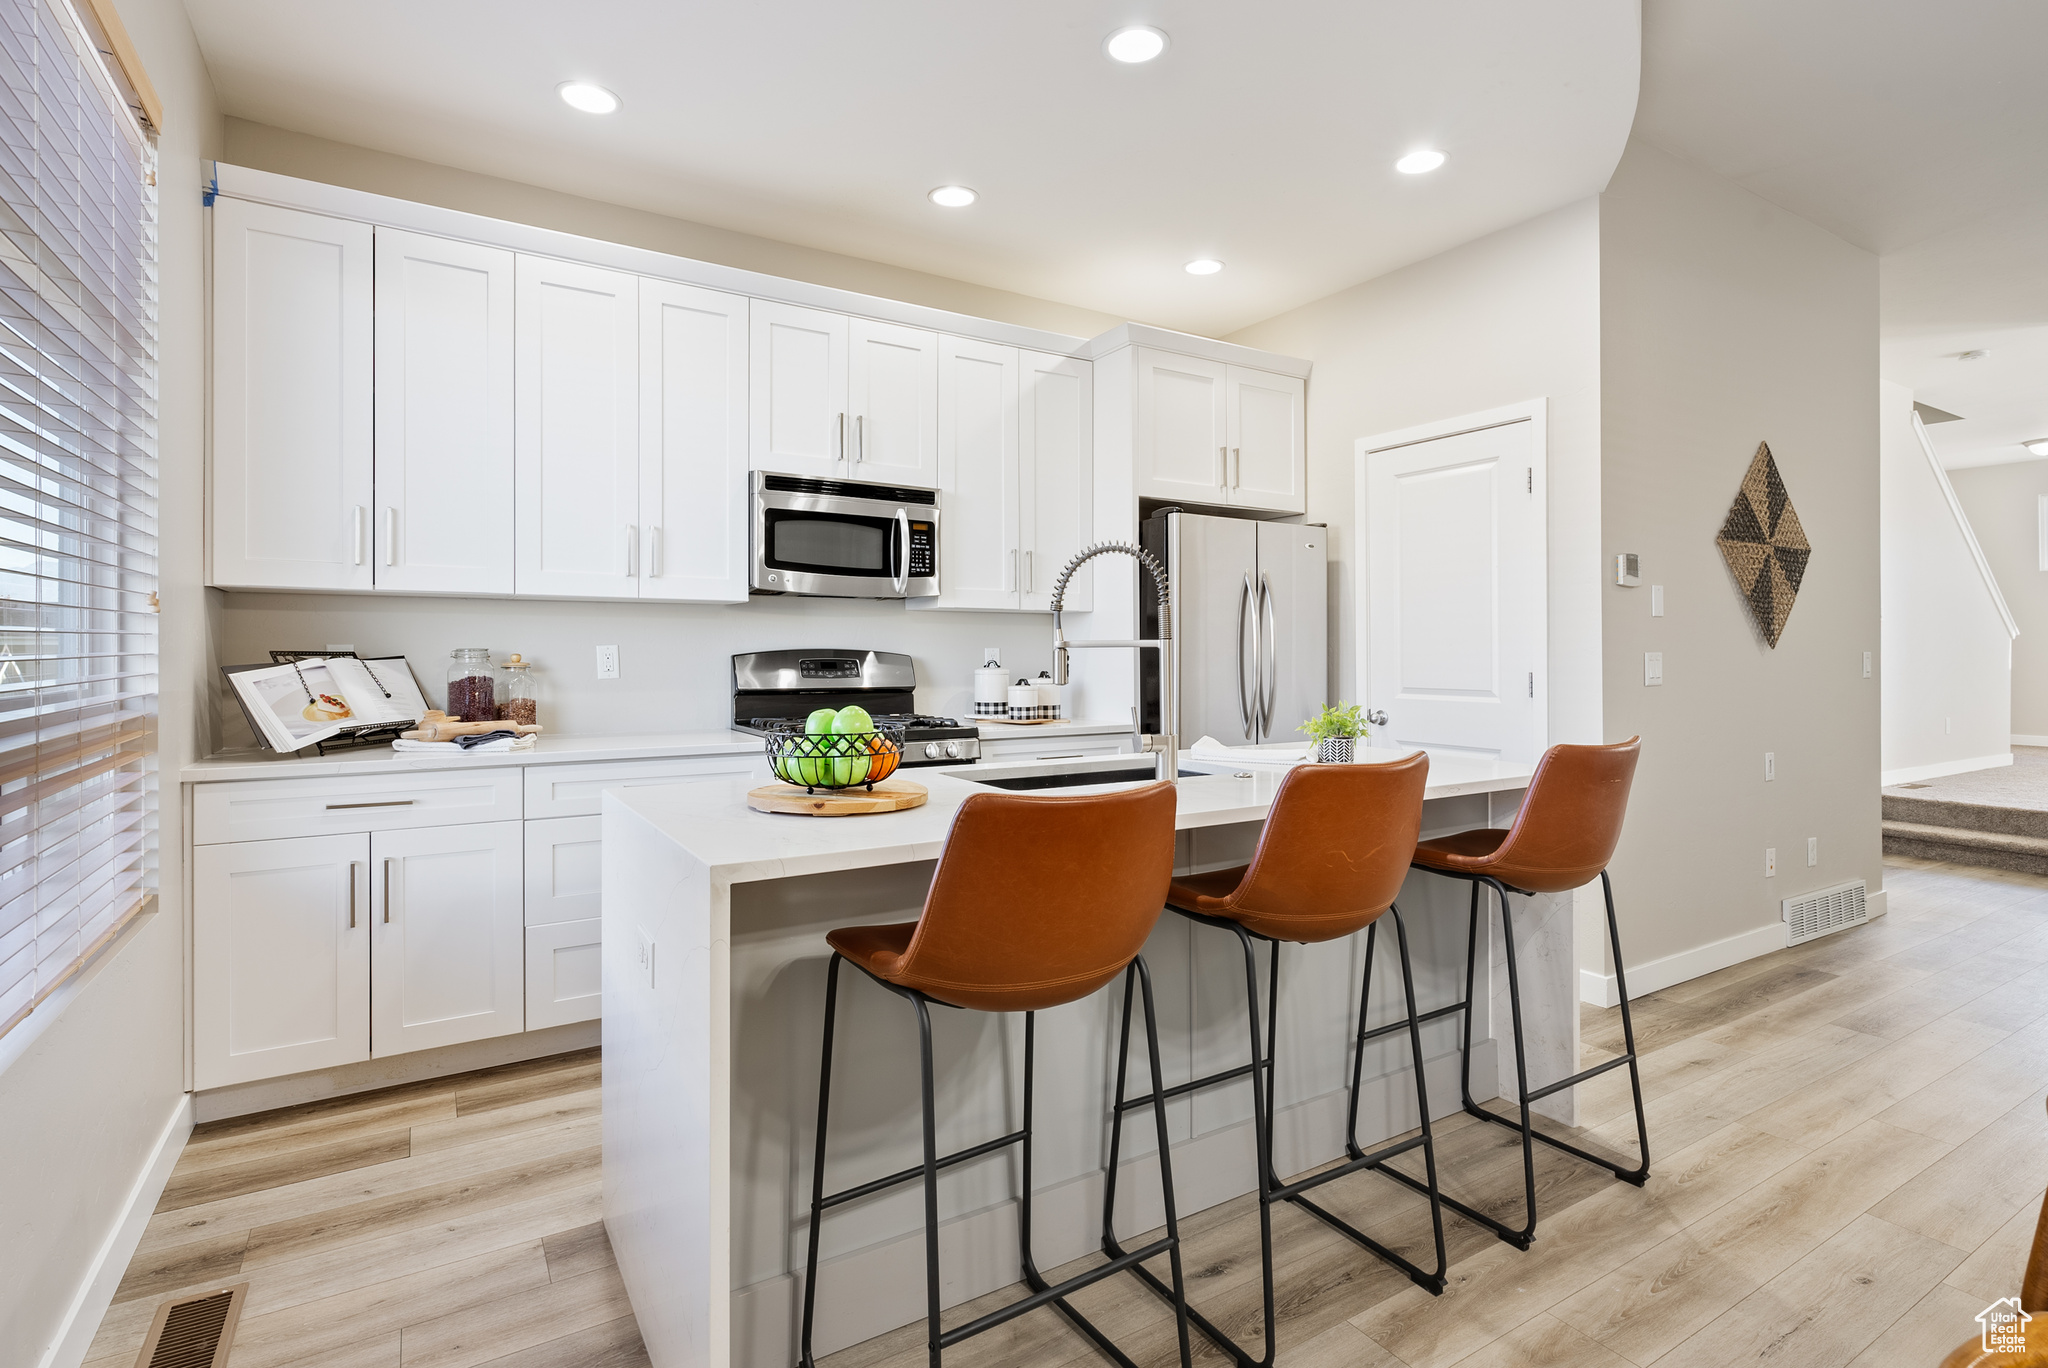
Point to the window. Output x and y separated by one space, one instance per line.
78 627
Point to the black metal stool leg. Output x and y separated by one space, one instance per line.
1641 1173
1180 1299
1435 1194
1471 964
931 1177
818 1163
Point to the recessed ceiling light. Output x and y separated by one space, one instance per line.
591 99
1206 266
952 197
2037 445
1415 163
1135 44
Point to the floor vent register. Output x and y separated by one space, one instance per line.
194 1332
1811 915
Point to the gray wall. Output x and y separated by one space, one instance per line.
2003 502
1726 321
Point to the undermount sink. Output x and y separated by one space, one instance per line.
1128 774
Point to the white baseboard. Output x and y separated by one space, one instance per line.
1598 988
2019 740
1913 774
96 1293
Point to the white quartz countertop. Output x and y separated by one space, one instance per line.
547 750
711 819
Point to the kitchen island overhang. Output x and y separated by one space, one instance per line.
714 958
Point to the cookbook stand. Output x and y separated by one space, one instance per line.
359 738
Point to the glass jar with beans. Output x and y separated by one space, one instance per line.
472 688
519 700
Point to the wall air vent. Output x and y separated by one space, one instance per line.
1812 915
194 1332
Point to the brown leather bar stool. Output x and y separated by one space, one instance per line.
1335 849
1037 901
1564 835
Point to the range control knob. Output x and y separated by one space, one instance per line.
931 750
953 750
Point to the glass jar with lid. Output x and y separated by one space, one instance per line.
472 688
519 701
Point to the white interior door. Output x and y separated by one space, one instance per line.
1456 570
1056 437
292 397
978 529
448 936
693 443
1268 441
892 387
280 957
444 415
1182 428
797 419
578 429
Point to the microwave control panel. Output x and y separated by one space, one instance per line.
923 551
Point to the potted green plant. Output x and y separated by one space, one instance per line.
1336 730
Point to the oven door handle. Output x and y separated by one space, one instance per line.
901 581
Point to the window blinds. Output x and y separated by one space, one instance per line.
78 472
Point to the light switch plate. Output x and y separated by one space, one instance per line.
1656 600
1812 851
1770 862
1770 766
992 655
607 662
1866 664
1653 669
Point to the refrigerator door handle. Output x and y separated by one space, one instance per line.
1268 693
1246 708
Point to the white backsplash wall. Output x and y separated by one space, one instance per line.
675 660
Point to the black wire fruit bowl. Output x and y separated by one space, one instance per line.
835 761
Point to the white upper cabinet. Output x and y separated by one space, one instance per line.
892 380
444 416
1268 443
292 399
979 547
798 420
1182 432
693 443
1056 436
447 936
577 430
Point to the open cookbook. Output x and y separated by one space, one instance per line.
302 702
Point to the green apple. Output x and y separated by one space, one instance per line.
854 726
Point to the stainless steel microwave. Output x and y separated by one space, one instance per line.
842 539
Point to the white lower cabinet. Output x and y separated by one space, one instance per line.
447 956
562 983
281 957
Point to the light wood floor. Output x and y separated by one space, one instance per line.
1849 1144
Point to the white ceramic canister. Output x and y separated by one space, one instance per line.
991 691
1023 699
1052 698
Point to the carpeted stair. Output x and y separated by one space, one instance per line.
1981 834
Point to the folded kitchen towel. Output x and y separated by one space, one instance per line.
490 743
1209 748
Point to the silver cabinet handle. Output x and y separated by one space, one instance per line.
388 802
390 535
360 511
1244 702
1268 696
1075 756
901 581
351 895
1223 459
1237 467
842 437
654 552
387 892
860 438
632 549
1027 572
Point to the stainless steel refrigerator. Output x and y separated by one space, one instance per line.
1250 626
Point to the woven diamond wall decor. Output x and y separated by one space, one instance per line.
1765 546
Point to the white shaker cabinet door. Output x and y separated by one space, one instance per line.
1182 433
447 936
1268 441
693 443
562 859
292 399
577 430
444 415
1056 433
562 978
280 957
892 381
979 556
796 379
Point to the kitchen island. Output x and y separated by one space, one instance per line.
714 964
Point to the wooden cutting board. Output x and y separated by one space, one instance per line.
891 795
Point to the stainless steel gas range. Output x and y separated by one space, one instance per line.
774 691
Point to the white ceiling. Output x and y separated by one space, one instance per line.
1916 131
1265 135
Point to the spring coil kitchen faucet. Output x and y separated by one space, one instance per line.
1166 744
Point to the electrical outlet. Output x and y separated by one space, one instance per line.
1656 600
1770 862
607 662
992 655
1653 669
643 957
1770 766
1812 851
1866 664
